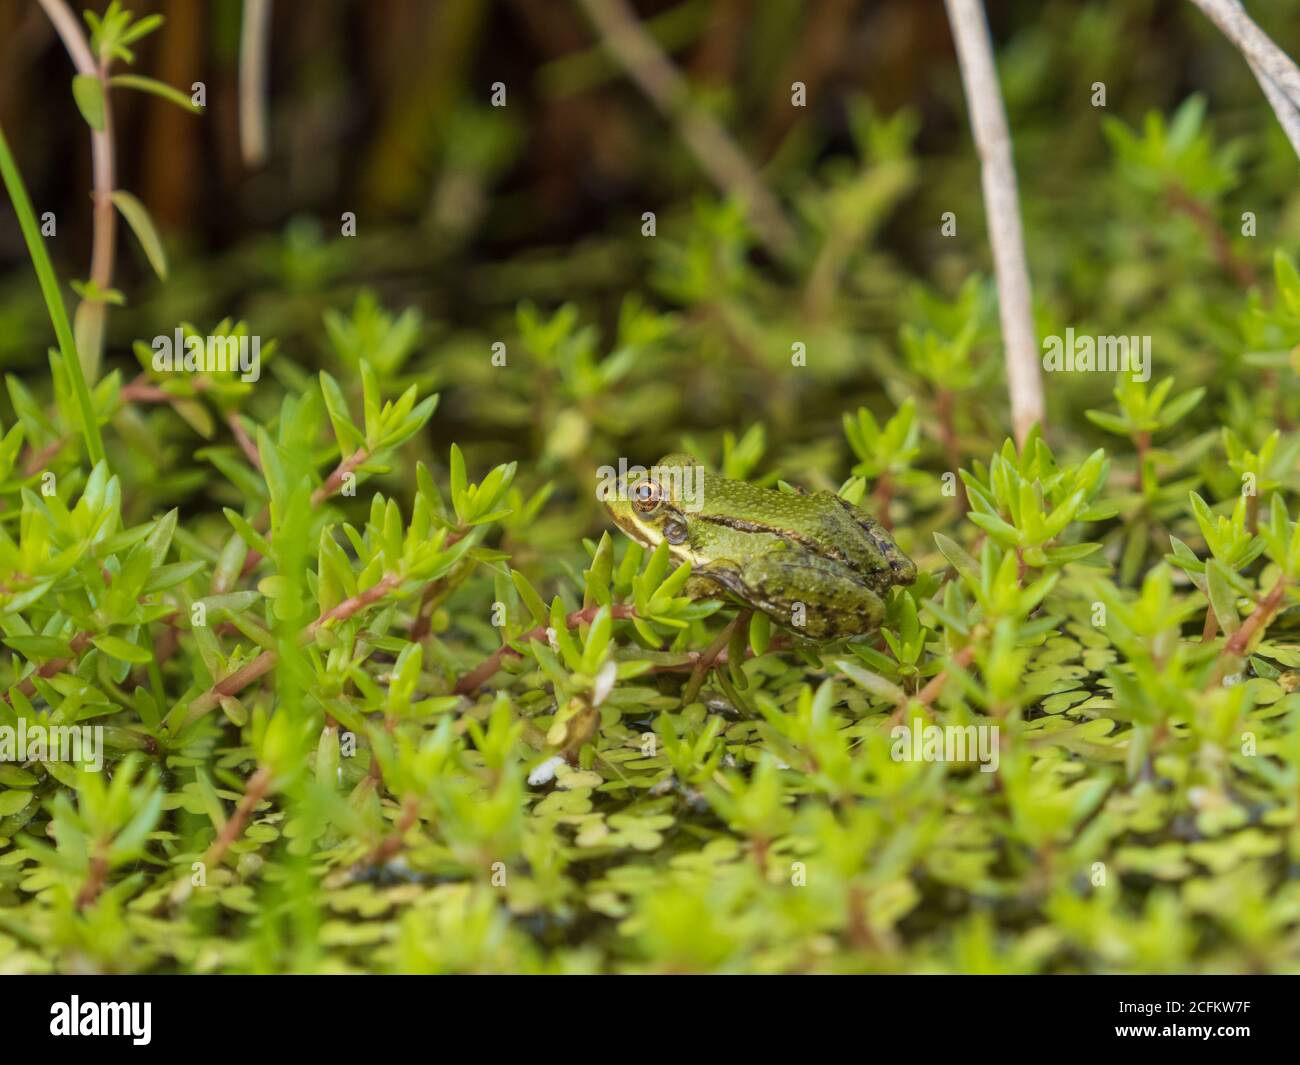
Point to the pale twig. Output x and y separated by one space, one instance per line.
89 320
718 155
254 47
1276 72
1288 114
70 32
988 119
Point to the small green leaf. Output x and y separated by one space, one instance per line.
137 217
34 647
999 530
158 88
88 91
1222 598
13 801
458 480
116 647
872 682
529 595
760 633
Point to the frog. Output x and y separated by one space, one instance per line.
813 562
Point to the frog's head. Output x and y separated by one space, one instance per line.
656 506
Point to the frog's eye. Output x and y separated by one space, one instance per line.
675 531
645 495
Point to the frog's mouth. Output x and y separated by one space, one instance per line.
650 534
638 533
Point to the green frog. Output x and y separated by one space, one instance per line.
812 562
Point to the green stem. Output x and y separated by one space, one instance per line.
53 298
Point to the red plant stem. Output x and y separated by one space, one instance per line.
263 663
245 441
139 390
393 842
710 655
55 665
931 691
145 393
422 624
424 613
258 785
1211 628
934 688
480 674
332 484
1142 444
1238 269
335 480
38 459
1235 646
859 930
95 877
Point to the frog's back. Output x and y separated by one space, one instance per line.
748 504
822 520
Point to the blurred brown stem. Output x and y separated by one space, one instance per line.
945 402
1229 262
96 875
934 688
718 155
258 785
883 495
391 844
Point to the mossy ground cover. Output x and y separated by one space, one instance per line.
380 689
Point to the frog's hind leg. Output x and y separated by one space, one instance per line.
720 581
813 597
902 570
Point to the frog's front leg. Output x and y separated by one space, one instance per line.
813 597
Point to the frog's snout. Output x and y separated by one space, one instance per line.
620 510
